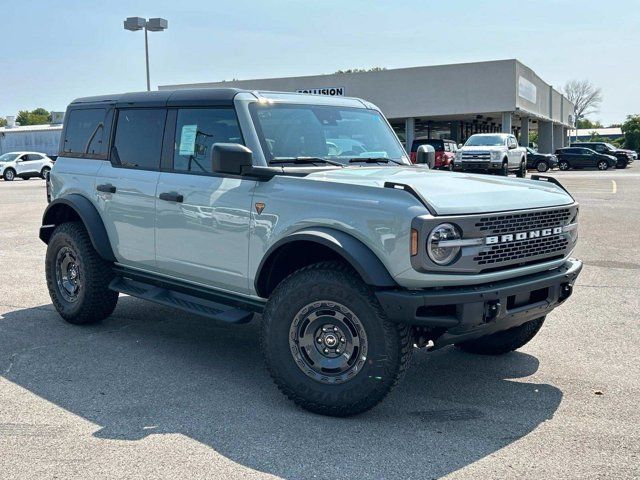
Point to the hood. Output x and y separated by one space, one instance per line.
483 149
452 193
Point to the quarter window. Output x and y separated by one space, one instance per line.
138 141
84 132
197 129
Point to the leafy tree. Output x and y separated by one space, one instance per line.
585 96
3 122
533 138
39 116
586 123
361 70
631 130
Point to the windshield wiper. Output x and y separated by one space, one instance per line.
374 160
278 160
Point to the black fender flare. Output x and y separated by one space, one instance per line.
57 213
352 250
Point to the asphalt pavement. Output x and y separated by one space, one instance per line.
155 393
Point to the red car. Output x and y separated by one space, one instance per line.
445 151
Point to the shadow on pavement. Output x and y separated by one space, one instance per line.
151 370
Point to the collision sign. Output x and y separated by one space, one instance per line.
330 91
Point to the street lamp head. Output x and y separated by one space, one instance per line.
157 24
134 23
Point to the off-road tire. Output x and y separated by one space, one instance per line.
95 301
12 175
44 173
522 171
389 348
504 342
542 166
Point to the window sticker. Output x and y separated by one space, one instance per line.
188 139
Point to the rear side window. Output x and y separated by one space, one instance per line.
84 131
197 129
138 140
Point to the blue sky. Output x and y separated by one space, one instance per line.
53 52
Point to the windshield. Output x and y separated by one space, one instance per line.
8 157
332 133
485 141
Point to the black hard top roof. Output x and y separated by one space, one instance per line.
160 98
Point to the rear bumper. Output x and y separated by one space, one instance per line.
465 313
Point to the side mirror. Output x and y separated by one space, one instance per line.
512 146
459 145
230 158
426 154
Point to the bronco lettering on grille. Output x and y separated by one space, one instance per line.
511 237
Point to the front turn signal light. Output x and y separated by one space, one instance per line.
414 242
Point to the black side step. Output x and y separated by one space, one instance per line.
184 301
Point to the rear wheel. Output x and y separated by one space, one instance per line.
522 171
603 165
542 166
9 175
77 277
563 165
327 342
503 342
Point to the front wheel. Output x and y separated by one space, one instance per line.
564 165
328 344
603 165
44 174
522 171
504 171
504 342
542 166
9 175
77 277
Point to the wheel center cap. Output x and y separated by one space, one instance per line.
330 340
73 272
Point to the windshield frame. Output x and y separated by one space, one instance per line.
502 137
253 108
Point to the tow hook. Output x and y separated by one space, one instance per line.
493 308
566 291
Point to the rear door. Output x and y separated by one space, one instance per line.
585 157
203 218
126 185
36 162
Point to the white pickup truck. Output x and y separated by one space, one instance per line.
492 153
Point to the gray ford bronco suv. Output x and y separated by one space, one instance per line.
304 209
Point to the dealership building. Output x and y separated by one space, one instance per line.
444 101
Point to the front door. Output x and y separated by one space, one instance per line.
126 186
202 226
27 165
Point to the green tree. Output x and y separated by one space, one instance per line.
586 123
631 130
3 122
39 116
361 70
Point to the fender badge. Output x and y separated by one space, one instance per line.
259 207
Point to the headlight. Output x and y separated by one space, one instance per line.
439 253
495 155
458 155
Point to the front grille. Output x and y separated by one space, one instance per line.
523 250
522 222
476 156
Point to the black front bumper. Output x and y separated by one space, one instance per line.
465 313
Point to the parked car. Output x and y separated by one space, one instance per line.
573 157
540 161
492 153
623 157
445 151
24 165
351 260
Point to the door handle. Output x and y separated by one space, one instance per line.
171 197
106 187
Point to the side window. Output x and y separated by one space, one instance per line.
84 131
197 129
138 140
599 148
32 157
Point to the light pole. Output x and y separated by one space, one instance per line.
134 24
